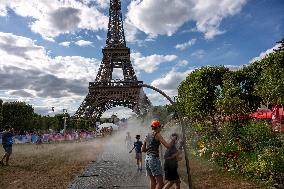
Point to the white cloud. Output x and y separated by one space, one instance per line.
22 52
130 31
83 43
120 112
75 67
52 18
3 10
43 105
164 17
171 80
265 53
183 46
150 63
158 99
182 63
234 67
65 43
79 43
198 53
99 37
103 3
168 84
26 70
191 30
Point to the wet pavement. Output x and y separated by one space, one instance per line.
114 168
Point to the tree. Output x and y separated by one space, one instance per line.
198 92
51 122
60 121
161 113
237 98
1 112
270 86
281 47
18 114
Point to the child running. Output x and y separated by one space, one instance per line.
138 146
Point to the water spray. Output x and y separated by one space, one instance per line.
180 117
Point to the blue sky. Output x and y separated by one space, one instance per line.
51 49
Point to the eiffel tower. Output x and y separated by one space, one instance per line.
106 92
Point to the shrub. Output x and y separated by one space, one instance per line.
256 151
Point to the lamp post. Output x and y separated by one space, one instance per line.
64 112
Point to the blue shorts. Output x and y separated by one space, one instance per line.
153 166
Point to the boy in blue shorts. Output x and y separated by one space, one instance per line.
138 156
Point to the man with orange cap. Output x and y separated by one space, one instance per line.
152 161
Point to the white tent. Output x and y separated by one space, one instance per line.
108 125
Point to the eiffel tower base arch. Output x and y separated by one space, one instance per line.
103 96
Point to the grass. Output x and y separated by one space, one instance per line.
47 165
56 165
205 174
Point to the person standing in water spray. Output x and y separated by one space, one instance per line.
138 153
152 161
172 156
128 140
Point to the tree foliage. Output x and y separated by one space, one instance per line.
17 114
162 113
281 47
237 98
215 91
1 112
218 102
199 91
22 118
270 86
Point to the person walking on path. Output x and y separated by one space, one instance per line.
171 165
7 143
138 153
152 162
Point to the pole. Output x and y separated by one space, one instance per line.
185 151
64 124
182 127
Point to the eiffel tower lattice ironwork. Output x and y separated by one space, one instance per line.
107 92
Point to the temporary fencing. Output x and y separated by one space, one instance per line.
52 137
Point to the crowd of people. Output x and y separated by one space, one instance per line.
105 131
38 138
8 137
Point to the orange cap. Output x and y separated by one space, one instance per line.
155 124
